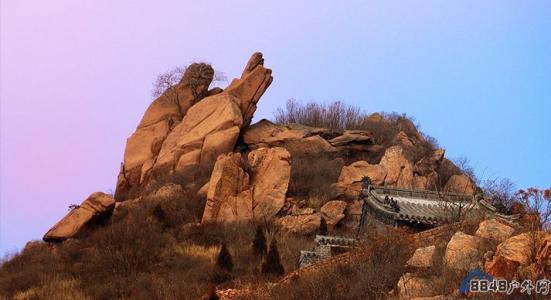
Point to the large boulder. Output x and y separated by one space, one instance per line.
422 259
235 195
517 251
429 164
96 205
399 168
461 184
183 137
333 212
248 89
210 128
272 172
349 183
494 230
228 196
352 138
463 252
298 139
302 224
410 286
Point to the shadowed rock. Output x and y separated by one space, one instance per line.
96 205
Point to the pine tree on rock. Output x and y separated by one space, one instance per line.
323 227
272 264
259 243
224 260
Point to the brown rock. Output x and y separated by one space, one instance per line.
234 196
169 190
303 224
248 89
349 183
228 196
333 212
352 137
423 258
399 168
159 119
494 230
96 204
190 134
461 184
409 286
429 164
403 140
515 252
272 169
210 128
375 118
462 252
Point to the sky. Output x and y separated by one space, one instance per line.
76 77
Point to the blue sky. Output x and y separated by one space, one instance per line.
76 77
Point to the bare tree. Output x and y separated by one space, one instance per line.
166 82
500 192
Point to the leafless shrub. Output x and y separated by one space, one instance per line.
501 193
311 177
335 115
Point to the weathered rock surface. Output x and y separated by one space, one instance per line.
183 136
410 286
228 196
298 139
96 204
494 230
349 183
399 168
302 224
423 258
272 172
461 184
462 252
143 146
333 212
516 251
352 137
234 195
429 164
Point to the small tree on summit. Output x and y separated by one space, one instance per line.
272 264
224 260
259 243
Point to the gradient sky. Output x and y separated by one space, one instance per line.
76 77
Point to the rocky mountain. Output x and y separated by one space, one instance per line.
196 161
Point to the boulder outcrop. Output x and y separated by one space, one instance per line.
462 252
494 230
349 183
187 127
517 252
422 259
235 195
96 205
333 212
302 224
461 184
399 168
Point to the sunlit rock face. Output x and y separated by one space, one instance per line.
188 126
